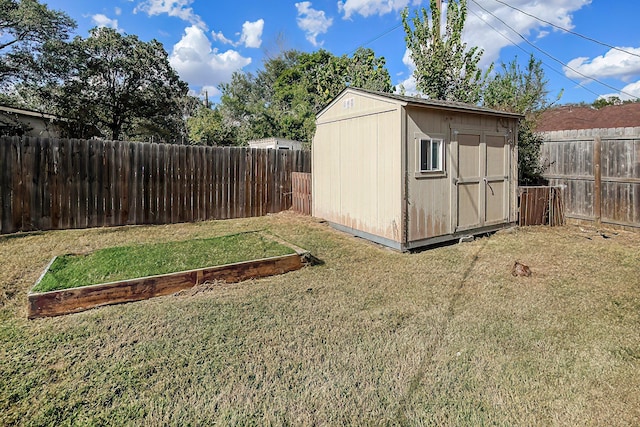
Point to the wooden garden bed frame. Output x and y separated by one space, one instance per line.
74 300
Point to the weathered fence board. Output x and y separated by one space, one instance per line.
541 206
600 173
59 183
301 192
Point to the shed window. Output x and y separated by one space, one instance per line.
431 154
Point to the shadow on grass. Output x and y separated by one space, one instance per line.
20 235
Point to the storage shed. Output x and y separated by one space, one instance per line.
409 172
276 144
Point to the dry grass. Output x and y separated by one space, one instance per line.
371 337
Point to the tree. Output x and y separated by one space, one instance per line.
25 27
445 68
283 98
207 127
606 101
119 83
524 92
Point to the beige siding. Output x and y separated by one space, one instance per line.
437 205
357 166
352 104
366 173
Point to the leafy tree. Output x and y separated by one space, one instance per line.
207 127
604 102
119 83
524 92
25 27
283 98
445 68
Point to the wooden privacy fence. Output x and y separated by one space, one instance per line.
59 184
301 188
599 170
541 206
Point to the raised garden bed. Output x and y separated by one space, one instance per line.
71 283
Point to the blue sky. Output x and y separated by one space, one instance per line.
207 40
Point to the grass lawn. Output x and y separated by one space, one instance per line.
130 262
371 337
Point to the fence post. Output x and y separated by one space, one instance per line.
597 174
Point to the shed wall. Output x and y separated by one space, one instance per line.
357 177
477 187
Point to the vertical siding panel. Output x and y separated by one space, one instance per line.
108 171
133 183
115 183
6 185
240 179
17 184
146 190
80 161
179 184
63 203
217 175
161 178
206 173
224 182
99 185
125 177
171 157
27 167
248 172
255 182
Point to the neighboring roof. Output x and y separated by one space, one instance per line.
425 102
572 117
273 139
24 112
11 117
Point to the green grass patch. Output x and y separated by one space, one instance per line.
130 262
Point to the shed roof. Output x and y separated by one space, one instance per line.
427 103
573 117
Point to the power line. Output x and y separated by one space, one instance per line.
529 53
390 30
551 56
568 30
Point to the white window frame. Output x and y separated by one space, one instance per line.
427 142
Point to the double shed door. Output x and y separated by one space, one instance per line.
481 165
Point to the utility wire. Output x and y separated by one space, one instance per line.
569 31
553 57
390 30
529 53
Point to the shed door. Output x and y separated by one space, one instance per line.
496 188
481 180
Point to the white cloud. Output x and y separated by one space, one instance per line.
118 11
613 64
219 37
313 22
372 7
252 33
199 64
178 8
477 32
409 84
629 92
210 91
101 20
632 89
